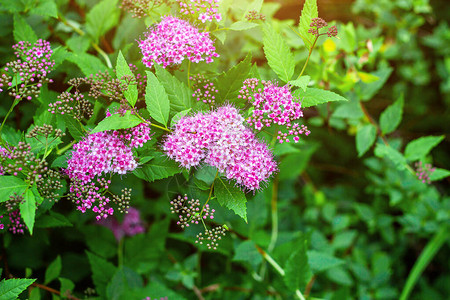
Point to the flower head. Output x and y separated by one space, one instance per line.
206 10
172 40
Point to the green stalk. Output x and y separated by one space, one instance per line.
6 117
424 259
309 55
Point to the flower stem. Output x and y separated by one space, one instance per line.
6 117
309 55
65 148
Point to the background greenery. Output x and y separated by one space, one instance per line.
344 219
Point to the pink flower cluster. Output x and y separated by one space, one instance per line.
16 225
99 154
30 69
273 105
424 171
220 139
207 9
172 40
131 224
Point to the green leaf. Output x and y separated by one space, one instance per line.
53 219
424 259
88 63
293 164
122 69
313 96
122 282
28 209
67 286
22 30
53 270
365 137
102 272
116 121
10 289
11 6
242 25
75 128
319 261
419 148
247 252
391 117
439 174
229 83
179 94
46 8
178 116
231 197
101 18
301 82
297 268
278 54
381 150
366 91
309 12
156 99
158 168
10 185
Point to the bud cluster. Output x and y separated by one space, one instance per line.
101 84
45 131
317 24
207 10
424 171
211 237
29 72
253 15
204 89
72 104
273 105
15 224
140 8
48 184
162 298
189 211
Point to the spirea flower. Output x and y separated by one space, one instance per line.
189 211
73 104
424 171
172 40
99 154
30 70
273 105
220 139
204 89
16 225
206 10
130 226
140 8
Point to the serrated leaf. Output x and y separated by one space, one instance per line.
116 121
46 8
10 185
309 12
22 30
10 289
28 209
229 83
75 128
313 96
101 18
301 82
102 272
53 270
297 271
420 147
319 261
156 99
231 197
391 117
158 168
180 96
123 69
178 116
381 150
278 54
88 63
11 6
365 137
439 174
242 25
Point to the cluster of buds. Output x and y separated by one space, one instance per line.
21 160
48 184
15 224
211 237
206 10
140 8
162 298
253 15
189 211
317 24
25 76
72 104
204 89
45 131
424 171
